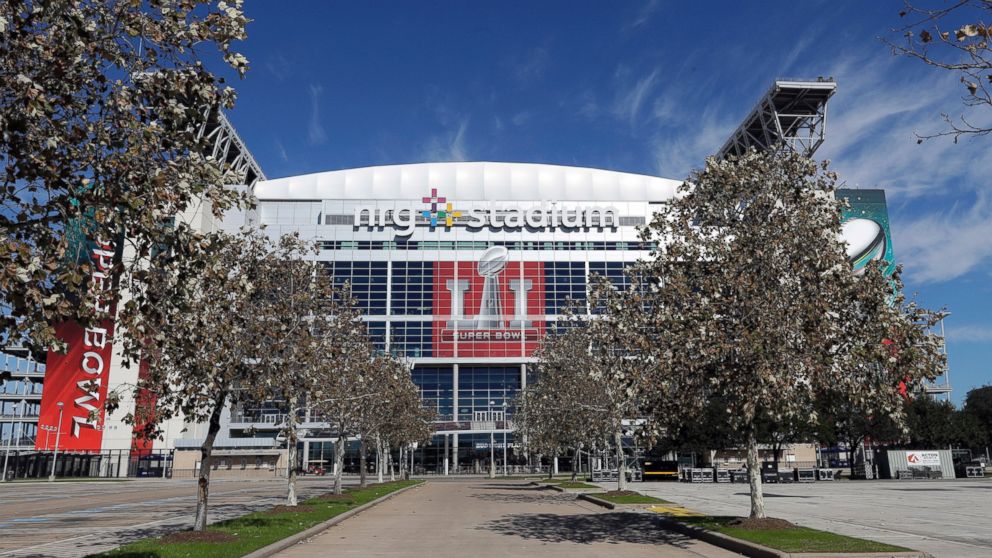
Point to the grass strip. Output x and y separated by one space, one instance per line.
797 539
630 499
258 529
570 484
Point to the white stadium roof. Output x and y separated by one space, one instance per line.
470 181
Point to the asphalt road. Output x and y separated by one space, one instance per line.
70 519
947 518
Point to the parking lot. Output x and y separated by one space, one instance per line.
947 518
68 519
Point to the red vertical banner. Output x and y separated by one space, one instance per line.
79 378
488 310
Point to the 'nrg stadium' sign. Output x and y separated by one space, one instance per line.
441 213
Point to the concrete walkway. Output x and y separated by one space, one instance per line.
494 519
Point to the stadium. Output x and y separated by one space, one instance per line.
460 268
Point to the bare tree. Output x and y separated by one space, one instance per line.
339 386
567 409
204 354
297 314
750 301
954 37
102 104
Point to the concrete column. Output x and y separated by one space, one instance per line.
554 466
306 455
445 455
454 412
454 453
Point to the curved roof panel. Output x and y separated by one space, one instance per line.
470 181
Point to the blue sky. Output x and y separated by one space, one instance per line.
649 87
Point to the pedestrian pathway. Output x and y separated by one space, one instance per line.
486 519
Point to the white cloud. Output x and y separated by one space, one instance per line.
315 131
643 15
533 66
941 217
969 333
940 245
631 96
449 146
281 150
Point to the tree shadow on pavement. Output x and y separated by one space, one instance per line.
524 497
611 528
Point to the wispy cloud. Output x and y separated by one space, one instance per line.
676 154
939 246
643 15
315 130
281 150
632 94
970 333
941 216
448 146
533 65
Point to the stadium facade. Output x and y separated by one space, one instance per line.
459 268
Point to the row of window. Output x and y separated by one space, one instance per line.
527 245
413 284
480 388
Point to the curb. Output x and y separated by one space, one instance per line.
598 501
291 540
557 488
750 549
754 550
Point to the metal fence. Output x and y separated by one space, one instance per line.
32 464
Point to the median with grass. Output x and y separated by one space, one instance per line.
781 535
243 535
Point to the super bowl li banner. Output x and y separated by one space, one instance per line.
78 378
866 229
490 308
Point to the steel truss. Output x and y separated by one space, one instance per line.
792 115
227 146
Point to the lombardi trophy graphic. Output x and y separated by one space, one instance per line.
491 264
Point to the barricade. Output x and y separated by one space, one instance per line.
825 474
804 475
722 475
696 474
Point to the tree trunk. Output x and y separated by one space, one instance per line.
403 474
206 460
291 439
339 461
575 463
378 458
754 476
389 461
621 462
363 480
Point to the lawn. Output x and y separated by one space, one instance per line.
255 530
798 539
629 499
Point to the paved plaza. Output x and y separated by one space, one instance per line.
947 518
70 519
486 519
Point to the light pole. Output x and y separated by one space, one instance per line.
20 425
506 471
58 434
492 444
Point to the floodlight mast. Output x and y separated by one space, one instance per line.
791 115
